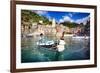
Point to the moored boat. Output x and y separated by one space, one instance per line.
47 44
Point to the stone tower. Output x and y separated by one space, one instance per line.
53 23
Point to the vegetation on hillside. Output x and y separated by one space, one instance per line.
30 16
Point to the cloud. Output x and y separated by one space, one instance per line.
44 13
61 20
41 12
70 14
83 20
66 18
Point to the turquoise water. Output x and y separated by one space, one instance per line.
75 49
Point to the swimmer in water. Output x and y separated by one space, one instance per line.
60 46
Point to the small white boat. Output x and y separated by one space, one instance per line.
47 44
80 37
69 35
29 35
33 34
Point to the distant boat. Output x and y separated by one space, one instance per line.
33 34
69 35
29 35
80 37
47 44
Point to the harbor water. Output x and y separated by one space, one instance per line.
75 49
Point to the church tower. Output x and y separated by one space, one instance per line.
53 23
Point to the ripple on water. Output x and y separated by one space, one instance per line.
74 50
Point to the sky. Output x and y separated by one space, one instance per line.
76 17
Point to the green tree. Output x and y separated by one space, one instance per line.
69 24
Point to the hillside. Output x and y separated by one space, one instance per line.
30 16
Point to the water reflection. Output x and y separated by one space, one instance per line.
75 49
